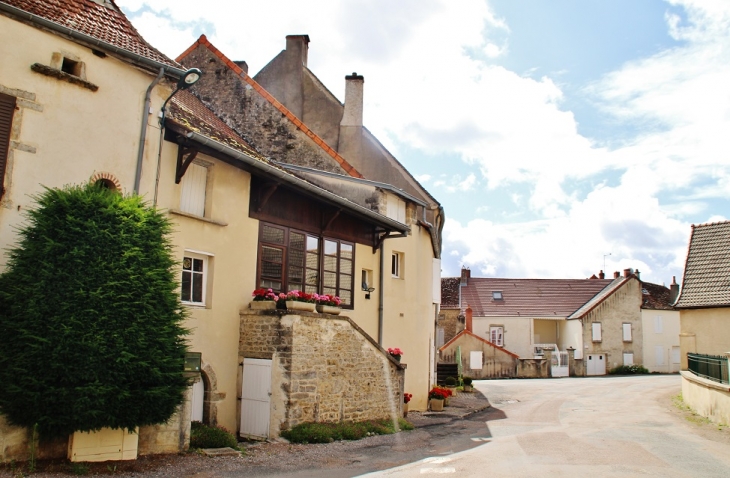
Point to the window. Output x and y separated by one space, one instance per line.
7 109
497 295
366 279
396 208
194 184
496 336
627 332
396 265
440 336
596 331
628 359
475 360
658 324
296 260
194 278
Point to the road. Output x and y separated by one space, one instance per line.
596 426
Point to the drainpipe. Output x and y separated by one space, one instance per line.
143 132
381 295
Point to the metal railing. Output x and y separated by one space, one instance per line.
711 367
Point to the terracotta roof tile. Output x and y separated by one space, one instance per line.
105 23
655 296
706 280
529 297
203 40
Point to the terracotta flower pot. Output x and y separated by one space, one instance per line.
436 404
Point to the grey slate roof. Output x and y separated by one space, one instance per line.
707 270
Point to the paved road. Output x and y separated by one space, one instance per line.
596 427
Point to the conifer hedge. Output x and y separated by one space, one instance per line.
91 329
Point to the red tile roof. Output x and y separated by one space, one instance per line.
529 297
105 23
203 40
655 297
706 280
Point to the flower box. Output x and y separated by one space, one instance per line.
436 404
299 305
263 305
328 309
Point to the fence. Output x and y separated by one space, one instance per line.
711 367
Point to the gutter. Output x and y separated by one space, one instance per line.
284 177
154 65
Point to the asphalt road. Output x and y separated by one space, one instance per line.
596 427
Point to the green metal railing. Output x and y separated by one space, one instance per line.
711 367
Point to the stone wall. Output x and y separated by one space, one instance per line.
533 368
324 368
448 319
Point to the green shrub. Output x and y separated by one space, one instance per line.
206 436
628 370
91 322
467 381
450 381
329 432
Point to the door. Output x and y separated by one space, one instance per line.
197 406
596 364
255 398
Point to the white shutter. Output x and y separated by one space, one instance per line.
675 355
192 197
658 326
475 360
596 330
627 332
628 359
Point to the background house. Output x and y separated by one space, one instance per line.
397 294
660 325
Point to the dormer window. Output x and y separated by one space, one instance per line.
496 295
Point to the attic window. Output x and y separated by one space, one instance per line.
497 295
71 67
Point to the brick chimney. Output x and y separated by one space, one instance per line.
601 275
673 290
616 275
298 45
627 272
465 276
468 318
354 88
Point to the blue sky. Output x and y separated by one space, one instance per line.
552 132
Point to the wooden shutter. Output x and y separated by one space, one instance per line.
7 108
192 198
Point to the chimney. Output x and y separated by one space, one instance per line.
298 45
616 275
465 276
354 86
627 272
637 274
673 290
601 275
468 318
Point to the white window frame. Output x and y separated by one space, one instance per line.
204 258
396 265
628 337
596 332
496 335
194 189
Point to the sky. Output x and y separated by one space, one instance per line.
562 137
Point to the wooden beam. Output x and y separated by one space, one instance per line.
332 219
185 156
266 195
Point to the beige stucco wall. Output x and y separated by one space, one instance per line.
666 339
63 133
704 331
707 398
496 363
623 306
517 332
571 335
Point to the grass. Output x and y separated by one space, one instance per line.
329 432
693 416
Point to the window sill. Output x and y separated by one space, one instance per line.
194 305
199 218
62 75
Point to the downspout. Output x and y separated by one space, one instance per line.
381 295
143 132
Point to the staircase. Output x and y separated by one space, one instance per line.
444 370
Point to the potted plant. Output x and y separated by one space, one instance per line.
436 398
467 384
406 398
328 304
451 384
300 300
395 353
264 299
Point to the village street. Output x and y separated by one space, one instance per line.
598 427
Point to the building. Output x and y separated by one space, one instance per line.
660 324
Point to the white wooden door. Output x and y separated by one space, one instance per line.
197 406
256 398
596 364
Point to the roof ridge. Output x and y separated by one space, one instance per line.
203 40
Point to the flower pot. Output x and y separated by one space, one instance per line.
328 309
405 410
263 305
453 390
396 357
297 305
468 388
436 405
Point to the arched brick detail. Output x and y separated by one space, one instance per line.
108 177
212 395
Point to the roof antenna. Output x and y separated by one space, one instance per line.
604 260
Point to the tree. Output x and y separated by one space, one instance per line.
91 323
